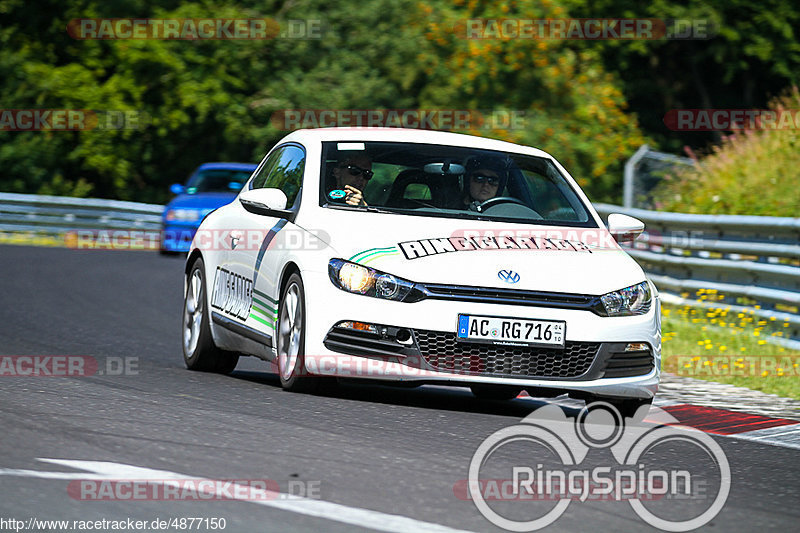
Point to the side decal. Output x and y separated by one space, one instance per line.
233 294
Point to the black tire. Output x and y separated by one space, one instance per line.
201 354
486 391
290 338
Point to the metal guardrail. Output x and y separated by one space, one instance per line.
59 214
751 263
61 219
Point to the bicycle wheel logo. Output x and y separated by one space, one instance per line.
554 471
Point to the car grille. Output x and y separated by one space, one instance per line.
626 364
442 351
357 342
511 297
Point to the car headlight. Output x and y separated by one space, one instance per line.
630 301
183 215
359 279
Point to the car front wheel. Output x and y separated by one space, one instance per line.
291 338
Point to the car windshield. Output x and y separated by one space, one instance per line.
217 180
449 182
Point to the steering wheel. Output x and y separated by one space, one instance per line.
497 200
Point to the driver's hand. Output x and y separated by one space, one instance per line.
354 196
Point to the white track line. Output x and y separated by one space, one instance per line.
317 508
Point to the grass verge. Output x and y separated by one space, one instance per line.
728 347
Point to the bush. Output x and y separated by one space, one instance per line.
751 173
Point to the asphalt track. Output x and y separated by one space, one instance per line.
373 451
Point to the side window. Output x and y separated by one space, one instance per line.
283 170
263 172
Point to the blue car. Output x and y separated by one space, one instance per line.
210 186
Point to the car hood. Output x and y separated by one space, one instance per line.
472 252
206 201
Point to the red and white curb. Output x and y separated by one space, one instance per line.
723 410
765 429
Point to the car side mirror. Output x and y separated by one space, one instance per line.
176 188
624 228
268 202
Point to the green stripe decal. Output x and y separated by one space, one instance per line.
259 319
274 302
265 313
265 306
387 249
382 254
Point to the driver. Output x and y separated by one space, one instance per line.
351 175
485 179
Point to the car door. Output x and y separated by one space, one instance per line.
259 242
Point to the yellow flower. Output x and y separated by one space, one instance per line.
764 374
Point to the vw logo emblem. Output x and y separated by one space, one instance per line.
509 276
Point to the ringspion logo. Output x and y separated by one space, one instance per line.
542 461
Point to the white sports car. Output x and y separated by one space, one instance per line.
422 257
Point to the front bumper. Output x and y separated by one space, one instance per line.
177 237
593 362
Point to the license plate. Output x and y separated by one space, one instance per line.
511 330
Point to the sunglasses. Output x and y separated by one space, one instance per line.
358 171
491 180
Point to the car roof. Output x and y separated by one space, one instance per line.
409 135
228 166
